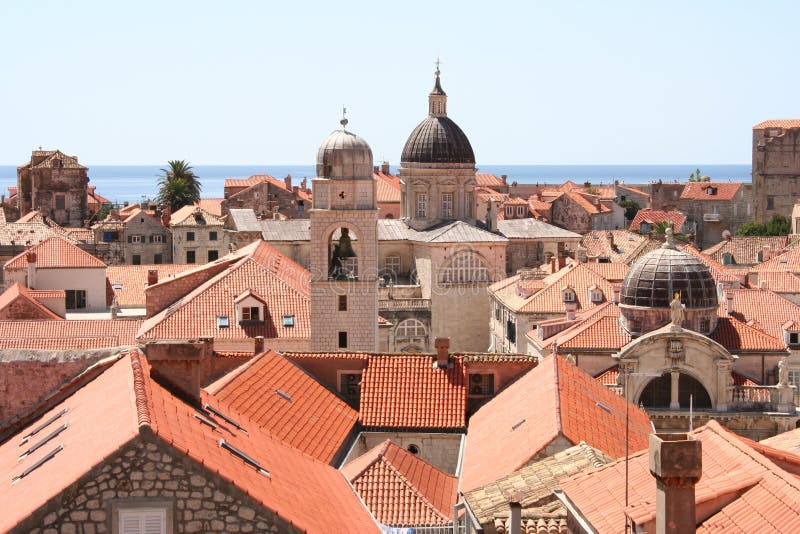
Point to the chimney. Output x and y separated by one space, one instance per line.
571 308
610 238
504 177
31 257
766 253
562 262
762 284
442 345
166 215
288 182
677 463
152 277
728 302
376 169
514 518
617 290
385 169
183 365
304 184
258 345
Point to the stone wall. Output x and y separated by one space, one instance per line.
721 214
776 171
22 308
264 198
439 450
664 196
201 245
150 473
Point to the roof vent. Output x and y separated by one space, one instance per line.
44 440
240 454
38 464
283 395
603 407
43 426
517 424
224 417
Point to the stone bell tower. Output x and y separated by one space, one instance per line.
344 246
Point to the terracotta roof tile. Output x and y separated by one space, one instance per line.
622 246
721 190
55 253
778 123
387 187
400 488
735 335
110 411
483 179
744 250
742 490
195 216
634 190
211 205
20 294
259 267
719 272
311 419
407 391
789 261
653 217
579 278
602 333
585 201
779 282
133 280
763 307
613 272
787 441
554 399
72 334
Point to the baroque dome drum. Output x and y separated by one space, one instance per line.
344 155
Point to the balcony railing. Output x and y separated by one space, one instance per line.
404 304
754 398
712 217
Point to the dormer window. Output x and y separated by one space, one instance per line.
794 338
568 295
250 309
711 190
509 211
520 211
251 313
595 295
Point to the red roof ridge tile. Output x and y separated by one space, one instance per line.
139 390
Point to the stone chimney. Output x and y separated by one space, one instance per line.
385 168
762 284
166 215
258 345
504 177
766 253
617 289
183 365
610 239
152 277
288 182
304 184
676 461
31 258
442 345
728 302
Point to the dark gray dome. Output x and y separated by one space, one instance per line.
437 140
655 278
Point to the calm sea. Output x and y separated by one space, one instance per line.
120 183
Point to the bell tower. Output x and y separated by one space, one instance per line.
344 246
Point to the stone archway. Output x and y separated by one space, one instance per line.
658 393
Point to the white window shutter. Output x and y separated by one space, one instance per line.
143 521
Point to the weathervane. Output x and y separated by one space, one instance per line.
344 121
437 63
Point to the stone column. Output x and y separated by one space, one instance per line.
676 462
673 391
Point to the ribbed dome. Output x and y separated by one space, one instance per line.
344 155
655 278
437 140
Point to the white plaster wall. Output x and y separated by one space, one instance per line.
93 281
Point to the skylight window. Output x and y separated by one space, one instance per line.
288 321
38 464
223 321
240 454
43 426
116 287
224 417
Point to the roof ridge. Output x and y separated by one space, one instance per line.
140 390
591 453
559 426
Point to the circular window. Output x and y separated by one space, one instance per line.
413 449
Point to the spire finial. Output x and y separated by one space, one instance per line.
669 235
344 120
437 66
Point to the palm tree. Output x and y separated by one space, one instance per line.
178 186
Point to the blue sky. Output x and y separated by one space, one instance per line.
264 82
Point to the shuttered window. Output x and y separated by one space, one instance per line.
143 521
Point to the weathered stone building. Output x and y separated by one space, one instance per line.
138 238
776 167
56 185
713 207
197 235
268 196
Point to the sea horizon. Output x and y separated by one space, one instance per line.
132 183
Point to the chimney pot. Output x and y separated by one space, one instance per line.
442 345
514 518
258 345
385 167
676 461
288 182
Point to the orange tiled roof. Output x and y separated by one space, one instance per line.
789 261
698 190
186 216
211 205
600 333
779 282
253 180
64 335
719 272
261 268
735 335
653 217
584 202
483 179
554 399
402 489
787 441
125 403
741 490
312 419
627 246
579 278
612 271
84 235
634 190
133 281
19 292
407 391
745 249
777 123
387 187
55 253
763 307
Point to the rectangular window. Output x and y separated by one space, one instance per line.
497 312
76 299
342 340
142 521
136 259
509 211
481 384
470 204
158 259
794 338
136 239
61 202
770 202
393 264
189 236
288 321
422 205
520 211
350 386
158 238
190 256
511 331
342 302
250 313
212 236
213 255
223 321
447 205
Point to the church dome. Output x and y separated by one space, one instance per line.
651 285
437 139
344 156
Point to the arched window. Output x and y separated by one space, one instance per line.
465 267
410 329
727 258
